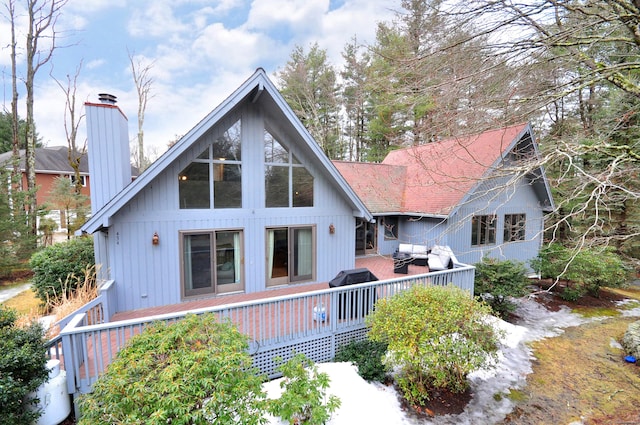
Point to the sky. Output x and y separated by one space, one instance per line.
199 50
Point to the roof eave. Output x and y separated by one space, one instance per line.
260 81
117 202
410 214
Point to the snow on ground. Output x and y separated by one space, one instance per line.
7 293
373 403
629 312
361 402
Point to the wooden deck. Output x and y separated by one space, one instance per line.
380 266
276 321
263 316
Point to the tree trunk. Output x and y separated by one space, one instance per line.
30 145
16 175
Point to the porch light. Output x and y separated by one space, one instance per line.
332 229
155 240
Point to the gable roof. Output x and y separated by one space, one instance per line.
53 160
256 88
439 176
380 186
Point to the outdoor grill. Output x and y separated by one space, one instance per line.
348 305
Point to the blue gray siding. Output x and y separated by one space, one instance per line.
499 197
496 196
109 160
150 274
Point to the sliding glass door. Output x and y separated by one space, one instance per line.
212 262
290 255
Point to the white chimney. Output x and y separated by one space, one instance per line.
108 150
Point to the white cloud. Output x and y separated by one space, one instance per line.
73 22
355 18
166 18
94 64
301 16
231 49
202 51
156 19
186 105
224 6
49 112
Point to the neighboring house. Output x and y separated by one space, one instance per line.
476 194
245 201
51 163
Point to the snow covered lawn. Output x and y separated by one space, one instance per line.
374 403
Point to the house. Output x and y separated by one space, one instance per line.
247 201
481 195
244 202
51 163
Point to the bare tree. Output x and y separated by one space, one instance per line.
15 121
143 80
72 120
575 67
42 17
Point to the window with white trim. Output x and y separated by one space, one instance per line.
514 227
287 182
390 225
83 180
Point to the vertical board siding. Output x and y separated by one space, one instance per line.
109 165
424 231
149 275
498 197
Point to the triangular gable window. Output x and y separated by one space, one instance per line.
287 182
216 174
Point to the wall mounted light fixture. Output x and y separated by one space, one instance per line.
155 239
332 229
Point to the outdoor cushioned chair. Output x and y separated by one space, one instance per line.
418 253
441 257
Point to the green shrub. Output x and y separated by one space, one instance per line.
303 399
436 336
194 371
572 292
501 280
367 356
550 261
22 368
586 270
57 264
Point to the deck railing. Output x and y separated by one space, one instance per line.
314 323
98 310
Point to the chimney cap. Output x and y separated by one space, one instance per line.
107 98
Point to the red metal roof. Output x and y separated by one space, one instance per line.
429 179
